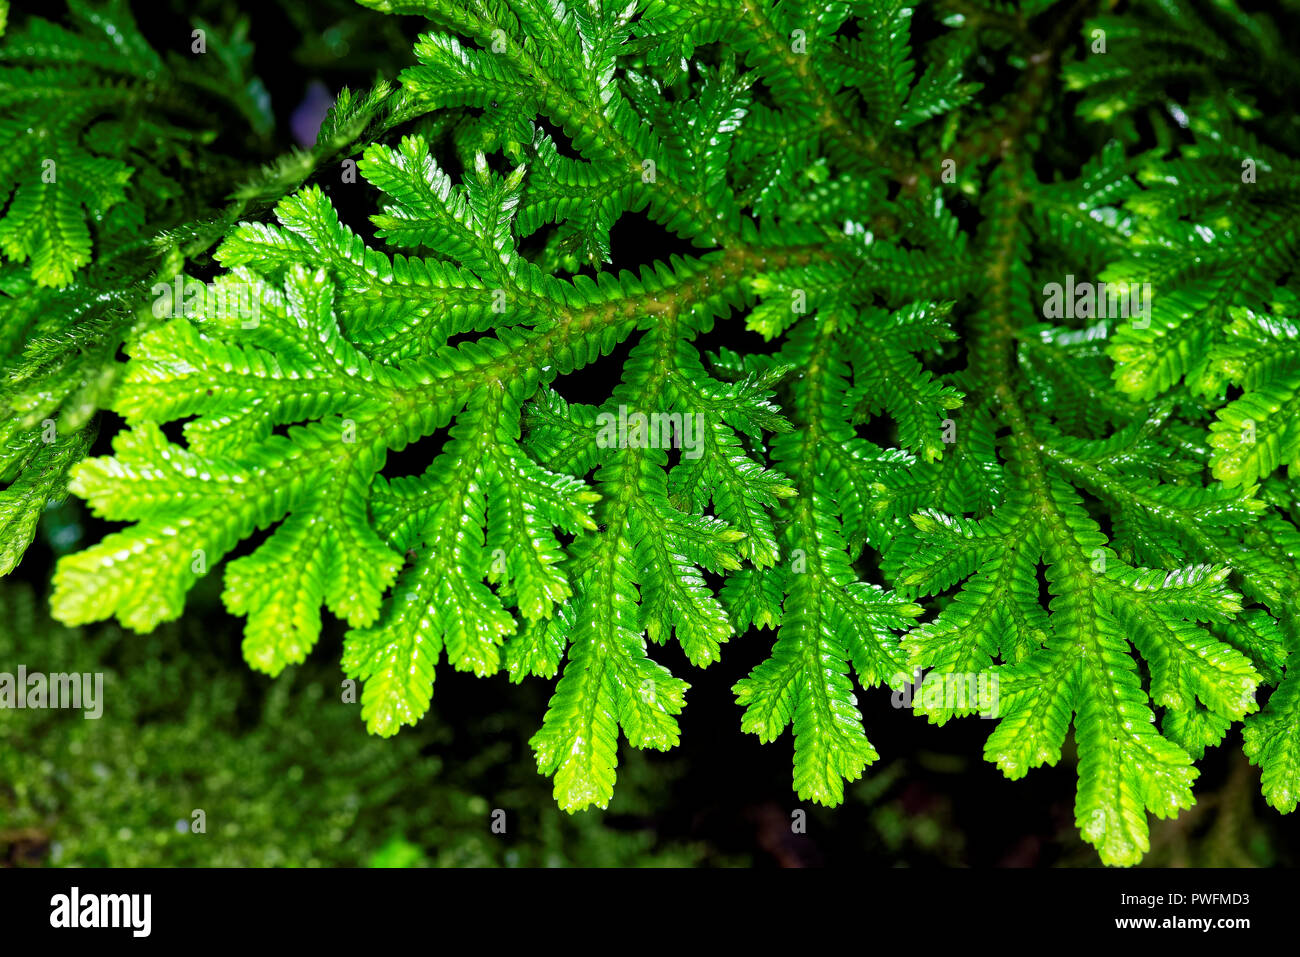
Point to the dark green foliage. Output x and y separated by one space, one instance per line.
116 178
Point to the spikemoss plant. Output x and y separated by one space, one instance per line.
1026 279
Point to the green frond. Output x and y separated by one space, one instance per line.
1019 418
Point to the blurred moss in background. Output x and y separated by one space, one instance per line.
283 770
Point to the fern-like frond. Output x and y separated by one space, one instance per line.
999 412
